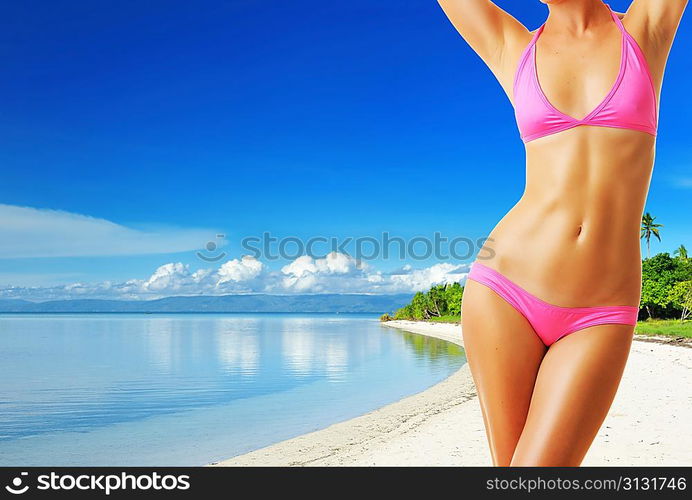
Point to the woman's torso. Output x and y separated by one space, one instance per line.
573 237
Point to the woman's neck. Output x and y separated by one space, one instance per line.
575 17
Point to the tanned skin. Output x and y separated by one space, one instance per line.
573 237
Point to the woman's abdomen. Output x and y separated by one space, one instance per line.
565 259
573 237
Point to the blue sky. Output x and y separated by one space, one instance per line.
151 127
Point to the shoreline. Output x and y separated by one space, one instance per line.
443 426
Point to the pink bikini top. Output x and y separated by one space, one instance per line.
630 104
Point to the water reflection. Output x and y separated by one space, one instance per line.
125 382
313 346
431 348
237 351
297 347
159 337
336 359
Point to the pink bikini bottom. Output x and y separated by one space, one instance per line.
551 322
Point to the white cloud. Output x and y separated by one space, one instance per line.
35 232
169 277
421 279
328 274
334 273
300 267
247 268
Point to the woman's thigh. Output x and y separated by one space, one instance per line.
504 354
575 387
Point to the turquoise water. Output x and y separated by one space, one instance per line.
184 389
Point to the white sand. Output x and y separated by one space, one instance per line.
647 424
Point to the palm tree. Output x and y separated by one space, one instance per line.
681 252
649 228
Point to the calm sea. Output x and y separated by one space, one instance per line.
187 389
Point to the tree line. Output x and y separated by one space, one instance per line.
666 287
666 293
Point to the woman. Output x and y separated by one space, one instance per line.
548 315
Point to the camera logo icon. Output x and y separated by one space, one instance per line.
16 487
211 247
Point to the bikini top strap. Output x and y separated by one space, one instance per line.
525 55
533 41
536 35
617 19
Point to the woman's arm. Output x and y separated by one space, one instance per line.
659 20
653 23
487 28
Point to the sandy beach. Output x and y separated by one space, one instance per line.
647 424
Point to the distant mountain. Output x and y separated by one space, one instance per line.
11 304
255 303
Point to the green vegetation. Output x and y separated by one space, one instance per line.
441 301
432 348
667 287
681 252
450 318
649 227
666 280
668 327
666 301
